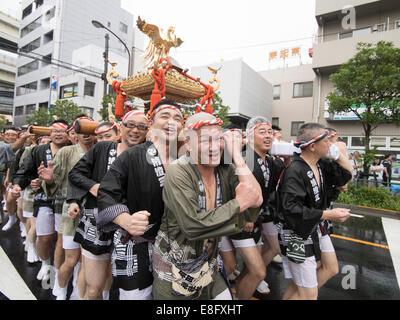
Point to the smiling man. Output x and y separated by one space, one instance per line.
130 201
204 200
48 217
55 177
84 182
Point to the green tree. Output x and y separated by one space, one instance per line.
369 86
63 109
219 109
3 122
108 98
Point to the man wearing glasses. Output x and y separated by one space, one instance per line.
130 201
47 221
84 182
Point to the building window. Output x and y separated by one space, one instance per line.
87 111
46 60
295 127
275 122
345 35
361 32
357 141
123 27
31 46
394 142
304 89
19 111
69 91
39 3
27 88
27 68
45 84
30 109
31 27
27 11
48 37
50 14
345 140
378 142
277 92
44 105
89 88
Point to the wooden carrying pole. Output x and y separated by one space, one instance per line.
86 126
40 130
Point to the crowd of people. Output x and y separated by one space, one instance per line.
162 207
380 170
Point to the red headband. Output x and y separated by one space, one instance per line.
96 132
163 108
303 144
259 125
134 113
333 134
203 123
59 125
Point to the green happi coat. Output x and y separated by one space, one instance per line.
189 225
63 162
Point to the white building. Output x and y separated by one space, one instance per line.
9 28
245 91
60 32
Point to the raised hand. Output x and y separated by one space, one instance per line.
46 174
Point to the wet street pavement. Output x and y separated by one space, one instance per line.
366 268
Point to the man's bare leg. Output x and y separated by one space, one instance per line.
96 274
66 270
328 269
253 273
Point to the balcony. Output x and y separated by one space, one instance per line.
331 54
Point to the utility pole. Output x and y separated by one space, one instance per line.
105 55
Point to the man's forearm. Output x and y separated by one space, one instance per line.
244 173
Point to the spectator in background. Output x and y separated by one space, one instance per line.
376 173
387 171
358 164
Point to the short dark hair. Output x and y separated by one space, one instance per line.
164 102
387 156
276 128
6 128
307 131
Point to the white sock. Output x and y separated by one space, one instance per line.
56 288
106 295
62 295
263 287
76 270
22 226
11 221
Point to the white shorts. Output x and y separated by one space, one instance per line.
27 214
269 229
145 294
68 243
47 222
91 256
325 244
224 295
303 274
228 245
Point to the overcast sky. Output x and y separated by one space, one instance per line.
227 29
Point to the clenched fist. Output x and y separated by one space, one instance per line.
247 196
135 224
74 210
